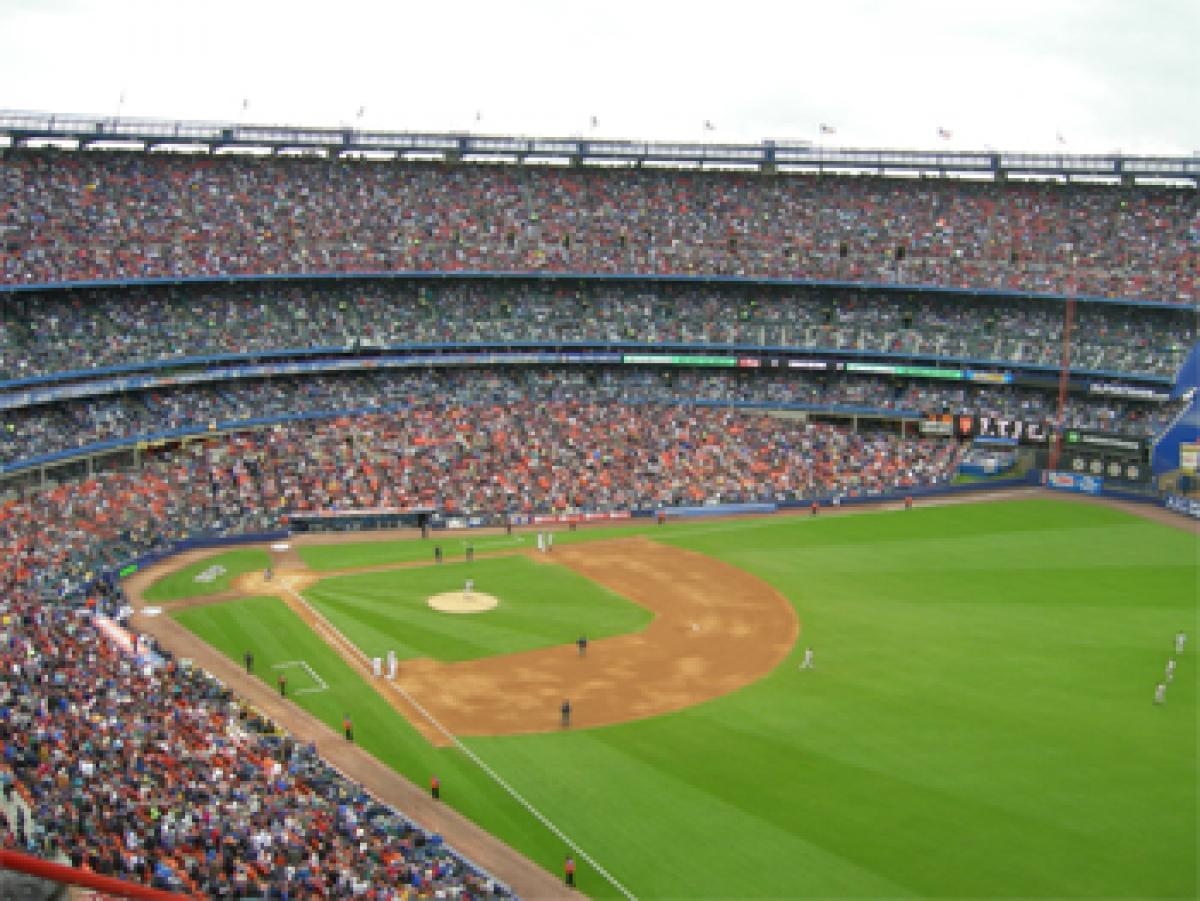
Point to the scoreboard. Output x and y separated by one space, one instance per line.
1122 457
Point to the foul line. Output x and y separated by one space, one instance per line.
336 636
287 664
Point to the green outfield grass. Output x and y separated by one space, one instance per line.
979 722
541 605
184 584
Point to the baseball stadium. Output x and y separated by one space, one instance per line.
430 515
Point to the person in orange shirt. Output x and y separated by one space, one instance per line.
569 871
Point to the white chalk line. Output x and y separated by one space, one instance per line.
337 637
322 685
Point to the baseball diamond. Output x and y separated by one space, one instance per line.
717 630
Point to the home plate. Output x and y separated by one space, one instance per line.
462 602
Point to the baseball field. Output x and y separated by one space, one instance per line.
978 721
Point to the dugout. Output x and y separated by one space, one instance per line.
360 520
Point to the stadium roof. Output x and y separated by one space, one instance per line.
86 132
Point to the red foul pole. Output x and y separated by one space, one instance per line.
57 872
1064 376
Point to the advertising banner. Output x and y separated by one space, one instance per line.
1070 481
540 519
1189 456
1186 505
1106 442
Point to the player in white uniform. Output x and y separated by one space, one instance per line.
807 662
1171 670
1160 693
1180 639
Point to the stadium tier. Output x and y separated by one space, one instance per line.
486 342
56 331
42 433
108 215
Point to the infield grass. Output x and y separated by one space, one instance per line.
979 722
541 605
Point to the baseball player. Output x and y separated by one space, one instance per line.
1160 693
1180 640
1171 670
807 662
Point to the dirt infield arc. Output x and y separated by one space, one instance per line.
715 629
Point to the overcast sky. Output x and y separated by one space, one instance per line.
1009 74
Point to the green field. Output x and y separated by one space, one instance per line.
540 606
185 584
324 558
979 722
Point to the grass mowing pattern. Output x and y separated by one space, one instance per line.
979 722
541 605
183 584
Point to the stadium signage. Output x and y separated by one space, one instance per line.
1130 391
920 372
681 360
547 518
1069 481
941 427
1020 430
1106 442
1186 505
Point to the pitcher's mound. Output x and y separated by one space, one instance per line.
462 602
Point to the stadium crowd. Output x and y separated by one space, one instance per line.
69 216
34 431
54 331
146 769
153 771
489 459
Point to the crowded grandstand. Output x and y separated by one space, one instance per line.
491 342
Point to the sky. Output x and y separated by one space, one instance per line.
1080 76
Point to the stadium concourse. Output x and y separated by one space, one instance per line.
223 804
